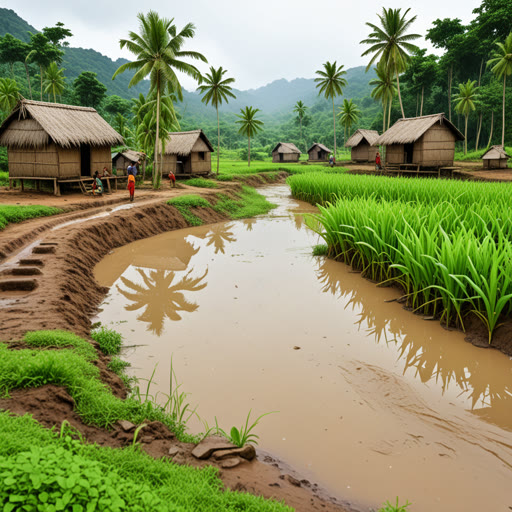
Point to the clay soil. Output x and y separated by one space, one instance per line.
66 296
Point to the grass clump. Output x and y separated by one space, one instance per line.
248 204
110 341
184 203
61 339
320 250
201 183
389 507
16 213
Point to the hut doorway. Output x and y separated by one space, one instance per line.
408 153
85 160
281 157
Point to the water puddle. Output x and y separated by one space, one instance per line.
374 402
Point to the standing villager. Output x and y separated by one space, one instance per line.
378 164
131 186
331 160
172 179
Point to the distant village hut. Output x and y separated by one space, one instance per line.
62 143
285 152
187 153
495 158
121 161
318 153
363 144
426 141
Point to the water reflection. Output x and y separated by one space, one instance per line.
487 392
218 235
160 297
249 223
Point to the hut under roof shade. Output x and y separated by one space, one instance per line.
495 158
358 136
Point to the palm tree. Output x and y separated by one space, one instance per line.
384 90
502 67
158 53
466 99
9 94
331 83
349 115
54 80
300 110
249 126
215 91
391 43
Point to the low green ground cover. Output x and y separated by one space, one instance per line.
4 179
184 203
447 243
18 213
475 155
201 183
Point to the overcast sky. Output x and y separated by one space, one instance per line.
257 42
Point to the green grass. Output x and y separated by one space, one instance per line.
184 203
237 168
476 156
110 341
201 183
15 213
4 179
249 204
320 250
39 467
61 339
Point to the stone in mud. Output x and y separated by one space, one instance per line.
293 480
147 439
126 425
246 452
173 450
209 445
230 463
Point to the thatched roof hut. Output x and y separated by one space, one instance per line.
121 161
318 153
495 158
285 152
53 141
426 141
187 153
363 144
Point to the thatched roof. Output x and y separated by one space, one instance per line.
495 153
370 136
319 146
36 124
129 154
182 143
409 130
286 147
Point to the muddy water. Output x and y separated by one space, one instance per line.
373 402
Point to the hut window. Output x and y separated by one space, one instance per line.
201 155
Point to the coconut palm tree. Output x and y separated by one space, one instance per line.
300 110
9 94
249 126
54 81
331 83
390 43
158 54
215 92
349 115
384 90
502 67
466 99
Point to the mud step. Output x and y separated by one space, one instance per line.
31 262
48 243
18 285
44 249
26 271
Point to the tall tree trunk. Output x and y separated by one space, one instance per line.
28 80
480 74
492 126
422 95
389 111
450 75
249 153
155 162
466 135
417 102
218 140
384 115
503 125
480 117
41 74
334 125
398 88
54 96
12 70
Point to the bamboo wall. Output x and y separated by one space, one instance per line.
395 154
363 152
496 163
69 162
318 155
192 164
287 157
100 157
436 148
33 163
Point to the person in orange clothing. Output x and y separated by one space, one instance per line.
131 186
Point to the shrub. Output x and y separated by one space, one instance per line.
110 341
201 182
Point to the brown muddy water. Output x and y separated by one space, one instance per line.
374 402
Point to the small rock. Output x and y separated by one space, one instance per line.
126 425
147 439
230 463
209 445
174 450
296 347
293 480
247 452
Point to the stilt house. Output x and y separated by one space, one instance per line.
285 152
49 141
187 153
318 153
426 141
121 161
363 144
495 158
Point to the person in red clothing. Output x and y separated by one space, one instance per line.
172 179
131 185
378 165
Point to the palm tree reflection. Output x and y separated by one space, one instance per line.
249 223
218 235
160 298
488 392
